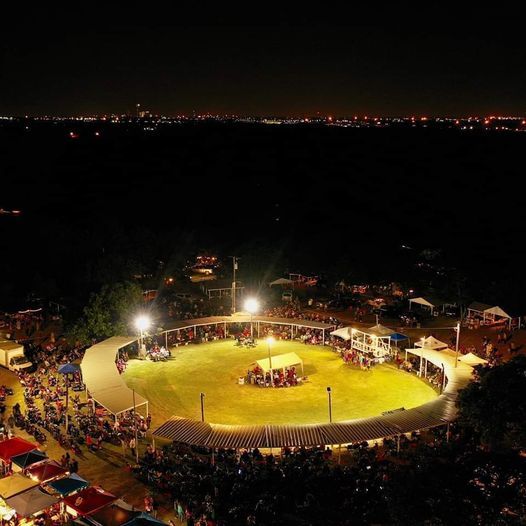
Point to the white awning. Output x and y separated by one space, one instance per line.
380 330
102 378
471 359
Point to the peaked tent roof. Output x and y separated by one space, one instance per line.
68 485
471 359
27 459
15 484
31 502
46 471
497 311
89 500
344 333
421 301
281 281
479 307
432 343
14 446
380 330
280 361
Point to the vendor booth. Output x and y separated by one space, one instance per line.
88 501
68 485
31 502
45 471
15 484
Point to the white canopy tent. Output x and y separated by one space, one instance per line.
430 303
372 342
280 362
344 333
380 330
422 302
432 343
488 313
282 281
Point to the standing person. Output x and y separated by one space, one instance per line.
132 445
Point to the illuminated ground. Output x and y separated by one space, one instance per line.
173 387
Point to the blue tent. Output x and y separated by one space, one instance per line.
68 368
144 519
26 459
398 337
68 485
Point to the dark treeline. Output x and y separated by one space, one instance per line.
335 201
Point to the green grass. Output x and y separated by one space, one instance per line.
173 387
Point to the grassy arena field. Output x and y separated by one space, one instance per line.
173 387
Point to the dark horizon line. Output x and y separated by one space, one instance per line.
329 116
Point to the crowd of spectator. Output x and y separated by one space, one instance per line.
434 478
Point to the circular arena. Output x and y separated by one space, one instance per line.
366 404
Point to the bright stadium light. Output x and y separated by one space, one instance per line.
142 322
252 306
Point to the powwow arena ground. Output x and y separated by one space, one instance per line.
245 416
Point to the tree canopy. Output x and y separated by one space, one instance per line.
109 312
494 406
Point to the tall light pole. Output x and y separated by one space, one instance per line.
270 341
456 344
235 259
202 395
142 322
252 306
422 355
330 404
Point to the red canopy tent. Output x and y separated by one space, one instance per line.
89 500
46 471
14 446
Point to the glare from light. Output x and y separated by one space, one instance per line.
270 340
142 322
252 305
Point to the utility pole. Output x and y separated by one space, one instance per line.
456 345
234 268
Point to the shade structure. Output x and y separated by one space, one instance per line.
432 343
144 519
68 485
30 502
89 500
472 359
27 459
344 333
398 337
46 471
280 361
68 368
103 379
380 330
14 446
15 484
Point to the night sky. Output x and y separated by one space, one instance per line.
94 60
